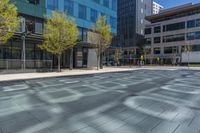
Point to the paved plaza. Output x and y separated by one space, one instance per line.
140 101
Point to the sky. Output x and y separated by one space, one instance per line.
172 3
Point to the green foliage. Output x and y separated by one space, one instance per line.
103 29
8 20
60 34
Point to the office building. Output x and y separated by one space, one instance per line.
84 12
156 8
174 35
130 26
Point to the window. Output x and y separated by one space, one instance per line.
191 24
193 35
147 31
93 15
69 7
114 5
82 11
196 48
171 50
80 34
34 2
156 39
52 4
174 38
198 23
157 29
172 27
113 22
38 27
106 3
148 41
97 1
156 50
168 50
197 35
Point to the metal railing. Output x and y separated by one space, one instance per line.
30 64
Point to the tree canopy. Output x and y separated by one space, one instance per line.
103 29
8 20
60 34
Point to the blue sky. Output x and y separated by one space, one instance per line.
172 3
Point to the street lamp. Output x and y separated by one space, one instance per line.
24 34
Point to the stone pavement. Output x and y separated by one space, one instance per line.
143 101
75 72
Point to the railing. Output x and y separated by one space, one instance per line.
29 64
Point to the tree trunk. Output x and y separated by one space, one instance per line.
71 59
98 59
101 60
59 56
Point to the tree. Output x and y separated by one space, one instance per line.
101 37
60 34
8 20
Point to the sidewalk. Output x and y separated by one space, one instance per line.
75 72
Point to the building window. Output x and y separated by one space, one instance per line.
156 51
148 41
172 27
156 39
114 5
93 15
69 7
174 38
82 11
97 1
196 48
193 35
52 4
198 23
157 29
106 3
170 50
113 22
34 2
38 26
191 24
147 31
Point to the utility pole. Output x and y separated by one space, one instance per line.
23 37
24 51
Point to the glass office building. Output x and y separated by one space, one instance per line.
130 26
85 14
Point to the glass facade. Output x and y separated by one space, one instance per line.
69 7
52 4
157 39
157 29
147 31
171 50
157 51
193 23
148 41
174 38
113 22
85 12
106 3
193 35
82 11
93 15
175 26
